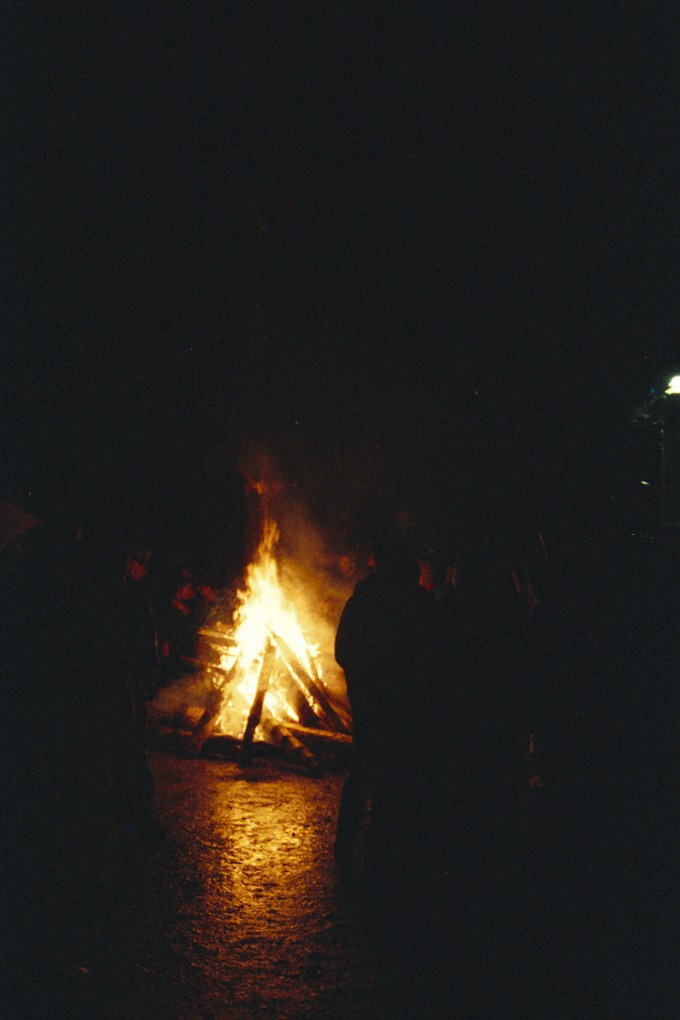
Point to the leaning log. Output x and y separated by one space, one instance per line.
293 695
331 750
211 710
215 699
255 713
219 638
320 738
294 749
309 687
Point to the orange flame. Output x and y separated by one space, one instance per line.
264 620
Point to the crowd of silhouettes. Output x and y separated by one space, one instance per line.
539 672
436 677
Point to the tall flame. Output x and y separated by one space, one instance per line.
264 622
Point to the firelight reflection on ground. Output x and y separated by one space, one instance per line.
271 847
258 914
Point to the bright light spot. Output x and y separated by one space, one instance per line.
673 385
644 483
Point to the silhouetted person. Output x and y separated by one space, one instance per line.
611 652
137 682
54 765
380 644
609 629
479 730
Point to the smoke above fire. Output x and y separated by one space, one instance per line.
311 558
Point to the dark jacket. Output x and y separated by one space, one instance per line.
381 644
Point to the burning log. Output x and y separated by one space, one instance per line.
293 695
329 748
295 748
281 743
320 737
309 686
210 711
258 703
279 731
220 638
214 700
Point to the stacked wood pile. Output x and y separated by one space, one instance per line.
320 739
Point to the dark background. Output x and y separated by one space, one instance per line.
423 255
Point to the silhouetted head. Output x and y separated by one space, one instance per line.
396 560
484 560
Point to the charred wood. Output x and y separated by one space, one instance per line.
332 750
320 737
295 749
212 708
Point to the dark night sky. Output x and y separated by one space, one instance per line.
403 245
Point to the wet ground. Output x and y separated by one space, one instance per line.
239 913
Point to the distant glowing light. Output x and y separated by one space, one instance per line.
673 385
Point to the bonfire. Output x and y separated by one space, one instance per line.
261 674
